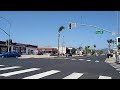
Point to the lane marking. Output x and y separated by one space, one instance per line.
73 76
66 58
80 59
88 60
104 77
118 69
2 65
9 68
41 75
73 59
18 72
97 61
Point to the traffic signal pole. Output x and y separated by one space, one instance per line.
6 32
98 28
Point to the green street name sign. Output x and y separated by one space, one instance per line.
99 32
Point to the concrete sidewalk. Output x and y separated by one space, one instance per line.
110 60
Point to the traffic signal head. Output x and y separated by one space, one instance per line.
70 26
118 40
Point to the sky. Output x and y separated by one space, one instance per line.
41 27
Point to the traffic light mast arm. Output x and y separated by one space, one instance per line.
98 28
5 32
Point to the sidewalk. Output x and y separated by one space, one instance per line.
110 60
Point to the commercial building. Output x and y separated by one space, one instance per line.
18 47
47 50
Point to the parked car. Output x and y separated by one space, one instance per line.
40 53
10 54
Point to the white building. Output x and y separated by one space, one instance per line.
62 50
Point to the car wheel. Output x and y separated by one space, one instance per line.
2 56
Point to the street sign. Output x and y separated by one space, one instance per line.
99 32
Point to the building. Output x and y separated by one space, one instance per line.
47 50
62 50
18 47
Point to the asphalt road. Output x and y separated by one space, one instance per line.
90 67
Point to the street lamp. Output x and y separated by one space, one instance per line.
6 32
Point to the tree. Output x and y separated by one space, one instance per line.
88 47
109 42
94 46
73 50
59 30
80 48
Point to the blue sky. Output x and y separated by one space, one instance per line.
40 27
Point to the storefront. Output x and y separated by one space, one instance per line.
17 47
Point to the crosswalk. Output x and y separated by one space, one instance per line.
74 59
40 75
116 66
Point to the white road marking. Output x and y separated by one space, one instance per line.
2 65
66 58
74 76
9 68
80 59
104 77
41 75
118 69
73 59
88 60
18 72
96 61
117 66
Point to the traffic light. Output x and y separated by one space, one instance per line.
70 26
10 42
118 40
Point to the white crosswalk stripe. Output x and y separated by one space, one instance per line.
73 76
41 75
104 77
80 59
88 60
118 69
73 59
19 72
96 61
66 58
7 68
2 65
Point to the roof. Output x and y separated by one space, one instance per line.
18 44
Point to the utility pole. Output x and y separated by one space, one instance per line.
118 22
6 32
62 44
58 43
117 53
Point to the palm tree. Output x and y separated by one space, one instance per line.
109 42
59 30
94 46
88 47
80 48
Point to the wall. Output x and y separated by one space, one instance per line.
30 48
